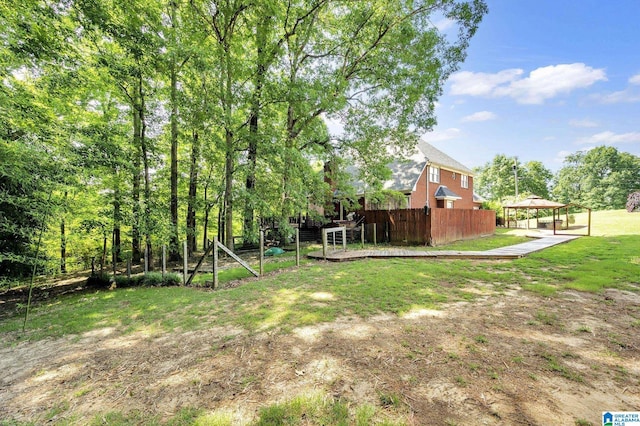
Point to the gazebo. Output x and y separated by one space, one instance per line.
533 202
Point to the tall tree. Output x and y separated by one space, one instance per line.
601 178
37 64
496 180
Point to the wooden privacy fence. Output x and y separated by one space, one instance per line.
435 227
449 225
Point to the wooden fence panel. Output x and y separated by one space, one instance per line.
440 226
448 225
404 226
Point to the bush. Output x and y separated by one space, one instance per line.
633 202
99 281
154 279
124 282
151 279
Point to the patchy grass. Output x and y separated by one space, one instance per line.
589 264
320 292
318 409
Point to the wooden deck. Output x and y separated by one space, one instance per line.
509 252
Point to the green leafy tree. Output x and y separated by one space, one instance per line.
37 65
496 179
601 178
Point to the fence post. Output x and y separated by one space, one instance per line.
215 262
375 232
146 259
362 235
261 252
129 268
324 244
297 247
344 238
185 253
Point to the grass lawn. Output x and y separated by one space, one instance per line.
320 292
298 296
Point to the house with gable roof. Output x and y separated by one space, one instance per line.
439 204
429 178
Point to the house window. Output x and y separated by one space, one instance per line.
449 204
464 181
434 174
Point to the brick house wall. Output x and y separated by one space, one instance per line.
419 196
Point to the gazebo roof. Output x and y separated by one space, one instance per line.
534 202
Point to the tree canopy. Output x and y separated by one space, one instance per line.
141 123
496 180
601 178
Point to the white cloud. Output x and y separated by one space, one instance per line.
481 84
622 96
441 135
583 123
541 84
480 116
628 95
610 138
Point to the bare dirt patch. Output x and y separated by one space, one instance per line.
508 358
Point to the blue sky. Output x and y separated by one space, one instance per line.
543 79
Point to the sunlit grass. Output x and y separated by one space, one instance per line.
288 297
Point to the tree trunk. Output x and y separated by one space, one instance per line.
228 191
221 219
229 146
103 259
207 209
193 186
147 176
174 244
136 252
117 221
250 235
63 248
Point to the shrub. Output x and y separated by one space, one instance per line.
99 281
124 282
633 202
155 279
151 279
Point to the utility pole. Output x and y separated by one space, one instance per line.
515 172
